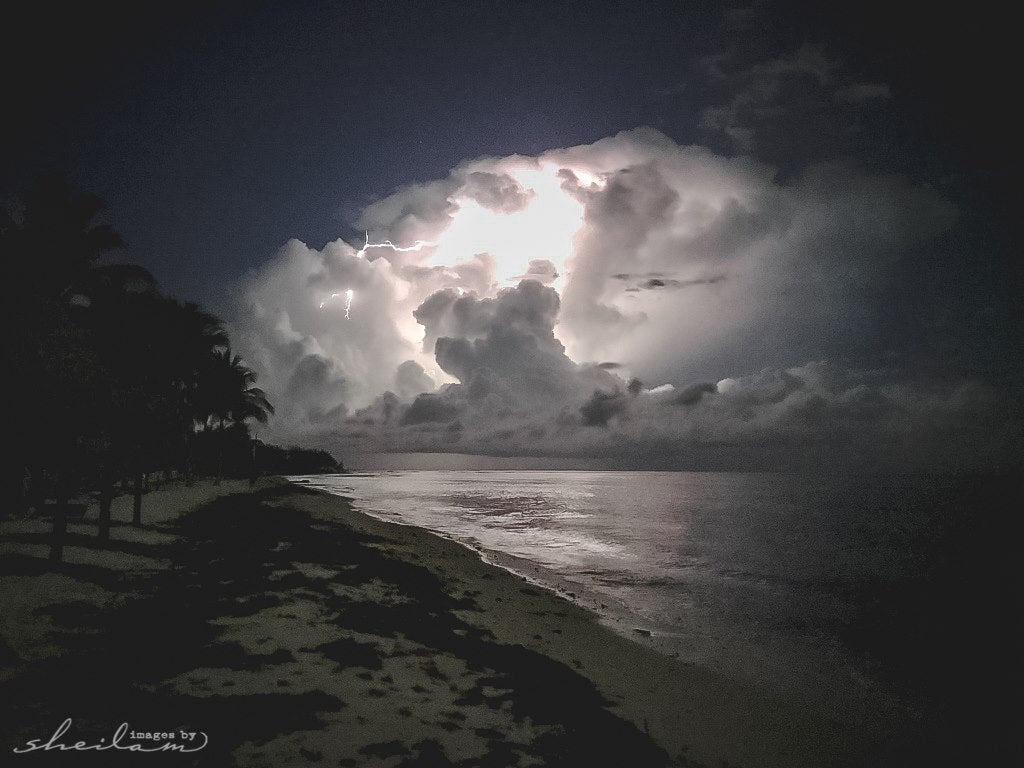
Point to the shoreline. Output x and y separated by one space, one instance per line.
521 568
728 720
347 633
856 702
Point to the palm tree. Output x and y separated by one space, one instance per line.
156 349
250 402
58 246
197 338
50 260
228 395
108 371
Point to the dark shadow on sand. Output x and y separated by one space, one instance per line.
235 557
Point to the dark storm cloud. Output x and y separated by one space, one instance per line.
762 95
790 109
428 408
687 266
411 380
737 226
601 407
449 313
312 375
514 380
814 415
654 283
693 393
511 336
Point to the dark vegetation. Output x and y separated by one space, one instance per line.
113 379
275 460
237 454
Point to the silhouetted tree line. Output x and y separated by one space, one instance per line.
235 454
112 379
294 461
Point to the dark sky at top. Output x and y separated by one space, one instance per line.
216 131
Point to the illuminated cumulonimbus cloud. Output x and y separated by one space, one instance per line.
509 306
348 293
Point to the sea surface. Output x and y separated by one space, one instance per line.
836 591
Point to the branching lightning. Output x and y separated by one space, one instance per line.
419 245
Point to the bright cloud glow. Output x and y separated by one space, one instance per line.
543 230
654 271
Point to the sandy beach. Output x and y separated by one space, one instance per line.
293 630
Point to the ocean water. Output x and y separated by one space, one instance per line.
838 592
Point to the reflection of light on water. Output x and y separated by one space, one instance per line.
695 557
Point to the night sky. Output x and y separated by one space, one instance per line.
216 132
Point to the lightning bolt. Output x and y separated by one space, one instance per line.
419 245
348 300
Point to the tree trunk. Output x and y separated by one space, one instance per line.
16 489
60 521
253 467
106 498
137 501
35 497
220 453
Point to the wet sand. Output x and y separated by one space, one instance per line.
294 630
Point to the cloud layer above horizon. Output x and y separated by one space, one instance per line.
631 298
